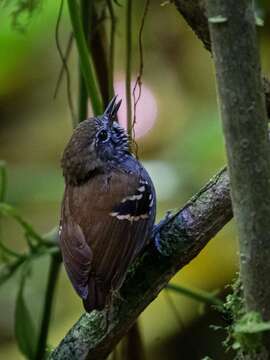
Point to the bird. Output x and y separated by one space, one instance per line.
108 208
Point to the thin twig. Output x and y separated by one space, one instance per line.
8 269
82 99
64 63
174 309
3 180
82 96
8 210
47 308
112 48
9 251
138 82
63 69
197 295
128 68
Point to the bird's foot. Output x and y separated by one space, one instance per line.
116 295
156 231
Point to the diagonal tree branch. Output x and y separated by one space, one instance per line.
95 334
194 13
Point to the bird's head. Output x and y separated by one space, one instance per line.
95 143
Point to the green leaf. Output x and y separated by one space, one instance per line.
251 323
24 328
259 21
8 269
165 3
8 210
3 180
248 331
219 19
22 11
6 252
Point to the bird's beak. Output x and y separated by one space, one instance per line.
112 109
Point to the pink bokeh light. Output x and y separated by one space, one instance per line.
146 110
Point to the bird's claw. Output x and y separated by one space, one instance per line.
156 230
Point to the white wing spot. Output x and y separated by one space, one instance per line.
132 197
144 182
141 188
123 217
114 213
129 217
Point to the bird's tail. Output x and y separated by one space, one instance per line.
97 296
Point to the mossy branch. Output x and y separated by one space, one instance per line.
182 237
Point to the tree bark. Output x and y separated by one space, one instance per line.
95 335
194 12
242 104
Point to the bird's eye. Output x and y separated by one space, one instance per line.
103 135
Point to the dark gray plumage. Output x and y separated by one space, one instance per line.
108 209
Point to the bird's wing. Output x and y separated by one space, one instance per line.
76 253
111 215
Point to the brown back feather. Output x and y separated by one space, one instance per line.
109 245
